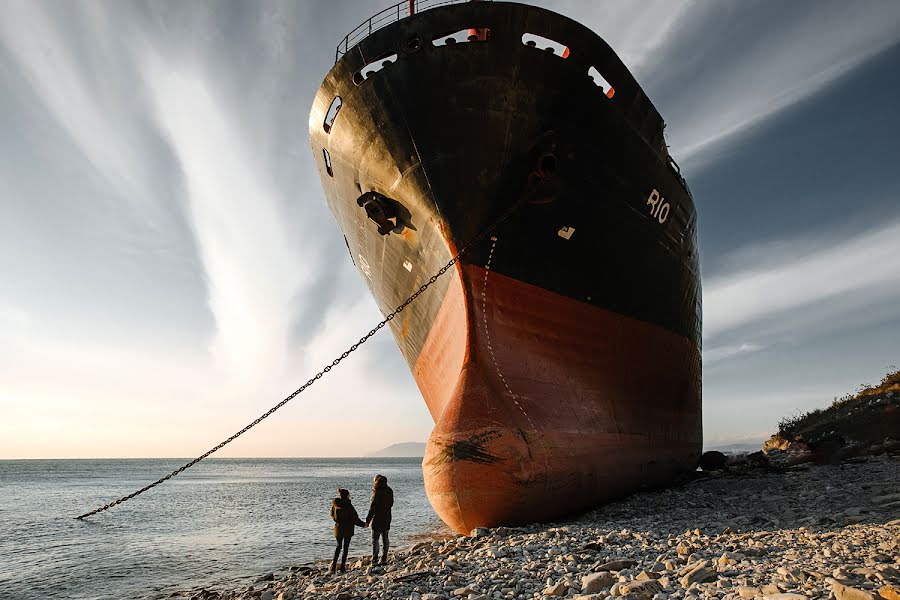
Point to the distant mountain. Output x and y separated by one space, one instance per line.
736 448
406 449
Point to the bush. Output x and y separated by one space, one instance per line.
815 422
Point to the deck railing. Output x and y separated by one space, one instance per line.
391 14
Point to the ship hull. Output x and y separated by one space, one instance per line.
556 403
560 357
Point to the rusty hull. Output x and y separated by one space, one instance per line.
556 407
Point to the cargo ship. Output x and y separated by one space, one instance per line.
560 357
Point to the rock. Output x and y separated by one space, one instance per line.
776 442
789 574
460 592
713 460
845 592
643 590
266 577
593 583
693 564
411 575
558 589
480 532
733 532
886 499
889 592
616 565
699 574
267 595
731 558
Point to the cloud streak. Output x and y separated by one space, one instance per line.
725 67
866 268
252 271
720 353
103 118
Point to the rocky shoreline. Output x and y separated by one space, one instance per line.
809 531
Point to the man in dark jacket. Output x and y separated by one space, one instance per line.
380 516
345 520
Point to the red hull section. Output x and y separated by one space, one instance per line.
545 405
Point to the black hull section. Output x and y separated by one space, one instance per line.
454 134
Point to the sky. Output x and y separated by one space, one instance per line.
169 269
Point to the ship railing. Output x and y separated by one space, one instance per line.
389 15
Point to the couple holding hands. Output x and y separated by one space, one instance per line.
346 519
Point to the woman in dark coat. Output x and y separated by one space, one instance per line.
380 516
345 520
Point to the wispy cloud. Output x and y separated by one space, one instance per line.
719 353
102 117
865 267
635 30
252 271
724 67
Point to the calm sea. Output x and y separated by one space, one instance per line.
224 522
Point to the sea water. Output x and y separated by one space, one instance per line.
222 523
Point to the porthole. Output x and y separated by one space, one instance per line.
600 81
373 67
469 34
541 43
328 168
332 113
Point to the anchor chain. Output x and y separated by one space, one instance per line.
503 218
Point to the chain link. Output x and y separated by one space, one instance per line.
503 218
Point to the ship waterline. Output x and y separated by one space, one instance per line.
560 359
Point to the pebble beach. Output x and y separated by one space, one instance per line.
810 531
